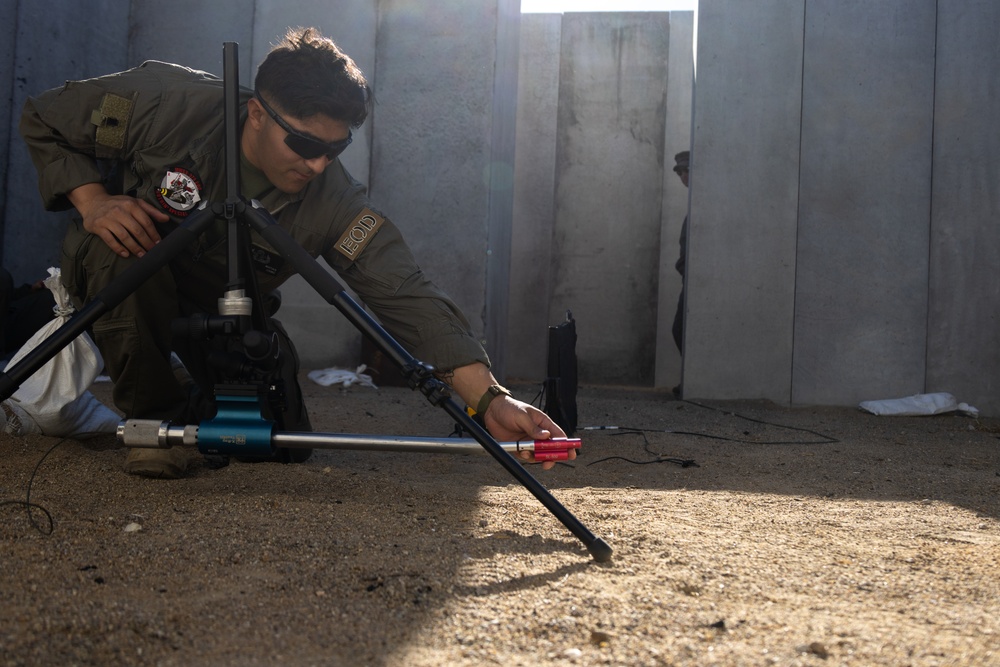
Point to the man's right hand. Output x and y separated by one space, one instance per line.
124 223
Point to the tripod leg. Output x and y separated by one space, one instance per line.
331 290
597 547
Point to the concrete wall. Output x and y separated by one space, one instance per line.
844 200
864 200
609 157
8 41
604 102
534 194
962 324
744 198
445 92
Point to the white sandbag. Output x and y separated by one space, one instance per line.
56 399
331 376
918 405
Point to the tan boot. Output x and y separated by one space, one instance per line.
158 463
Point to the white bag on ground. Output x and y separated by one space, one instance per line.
329 376
919 405
56 399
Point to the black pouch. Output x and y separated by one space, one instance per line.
560 384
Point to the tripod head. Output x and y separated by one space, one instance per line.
255 353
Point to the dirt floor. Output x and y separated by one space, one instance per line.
805 536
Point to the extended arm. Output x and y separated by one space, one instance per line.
506 418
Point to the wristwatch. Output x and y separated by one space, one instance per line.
491 393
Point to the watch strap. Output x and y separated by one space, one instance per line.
492 392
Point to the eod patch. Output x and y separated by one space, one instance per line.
359 234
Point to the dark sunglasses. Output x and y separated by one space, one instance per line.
306 146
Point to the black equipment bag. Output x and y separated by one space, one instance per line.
560 384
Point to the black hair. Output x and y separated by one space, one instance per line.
307 74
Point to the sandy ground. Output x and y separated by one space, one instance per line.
861 540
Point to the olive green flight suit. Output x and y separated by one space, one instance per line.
161 127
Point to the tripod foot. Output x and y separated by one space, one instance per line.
600 550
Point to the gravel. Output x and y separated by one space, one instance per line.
849 539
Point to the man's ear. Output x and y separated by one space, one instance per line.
255 114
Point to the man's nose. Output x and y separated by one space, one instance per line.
318 164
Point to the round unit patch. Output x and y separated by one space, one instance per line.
179 191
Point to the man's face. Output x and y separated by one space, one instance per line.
682 172
266 149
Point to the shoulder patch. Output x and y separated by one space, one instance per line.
179 191
359 233
111 120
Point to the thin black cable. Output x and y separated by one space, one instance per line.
826 440
27 504
660 458
686 463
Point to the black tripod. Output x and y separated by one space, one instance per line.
239 427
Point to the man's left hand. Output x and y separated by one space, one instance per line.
508 419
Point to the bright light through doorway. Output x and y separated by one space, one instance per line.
559 6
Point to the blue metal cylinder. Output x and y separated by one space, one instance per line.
238 429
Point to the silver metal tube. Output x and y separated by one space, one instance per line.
390 443
154 434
